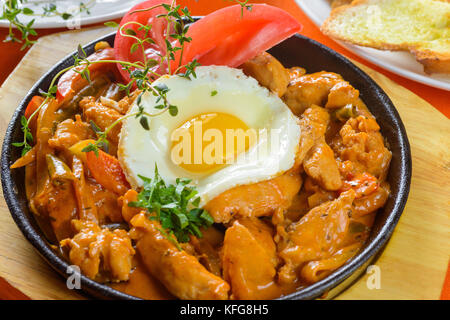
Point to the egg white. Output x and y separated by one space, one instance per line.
238 95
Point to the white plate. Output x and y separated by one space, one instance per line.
100 10
401 63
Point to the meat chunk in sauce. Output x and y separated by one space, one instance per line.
69 132
269 72
250 260
320 165
181 273
341 94
317 157
101 254
255 200
361 143
320 88
102 116
317 235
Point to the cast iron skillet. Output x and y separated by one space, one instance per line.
295 51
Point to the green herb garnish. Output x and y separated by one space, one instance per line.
13 8
174 206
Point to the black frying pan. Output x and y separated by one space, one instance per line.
295 51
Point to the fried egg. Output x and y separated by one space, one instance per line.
228 131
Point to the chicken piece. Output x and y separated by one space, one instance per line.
100 252
296 72
128 212
256 200
309 89
106 202
320 88
125 103
249 260
102 116
269 72
320 165
61 206
181 273
69 132
315 154
313 124
317 235
371 202
360 142
207 249
342 94
316 194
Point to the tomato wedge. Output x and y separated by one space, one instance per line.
226 37
123 44
107 171
71 81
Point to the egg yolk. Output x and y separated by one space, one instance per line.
210 141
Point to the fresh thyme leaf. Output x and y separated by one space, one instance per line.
90 147
66 16
144 123
80 52
95 127
112 24
27 11
173 110
213 93
174 206
130 32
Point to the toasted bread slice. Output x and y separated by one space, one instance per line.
419 26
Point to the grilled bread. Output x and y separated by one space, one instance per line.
419 26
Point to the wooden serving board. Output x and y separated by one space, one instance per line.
412 266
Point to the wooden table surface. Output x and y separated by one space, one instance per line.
418 250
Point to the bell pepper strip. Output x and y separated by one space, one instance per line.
58 170
228 37
32 106
77 148
72 81
28 158
107 171
87 210
48 116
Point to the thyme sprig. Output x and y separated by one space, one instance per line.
12 9
244 5
140 73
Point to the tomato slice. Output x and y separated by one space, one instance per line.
107 171
123 45
71 81
226 37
